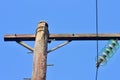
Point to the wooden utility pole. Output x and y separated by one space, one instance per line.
40 52
41 39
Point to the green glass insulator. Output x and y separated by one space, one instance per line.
108 51
104 60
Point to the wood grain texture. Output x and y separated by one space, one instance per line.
40 52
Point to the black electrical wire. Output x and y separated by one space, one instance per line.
96 76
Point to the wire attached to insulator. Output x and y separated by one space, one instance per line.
96 76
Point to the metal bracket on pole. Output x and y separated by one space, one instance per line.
27 79
59 46
50 64
25 45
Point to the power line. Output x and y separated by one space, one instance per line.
96 76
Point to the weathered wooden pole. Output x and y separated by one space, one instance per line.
40 52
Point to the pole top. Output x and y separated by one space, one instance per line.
43 23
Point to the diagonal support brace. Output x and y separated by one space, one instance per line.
53 49
59 46
25 45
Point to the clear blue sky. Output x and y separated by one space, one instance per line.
76 61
